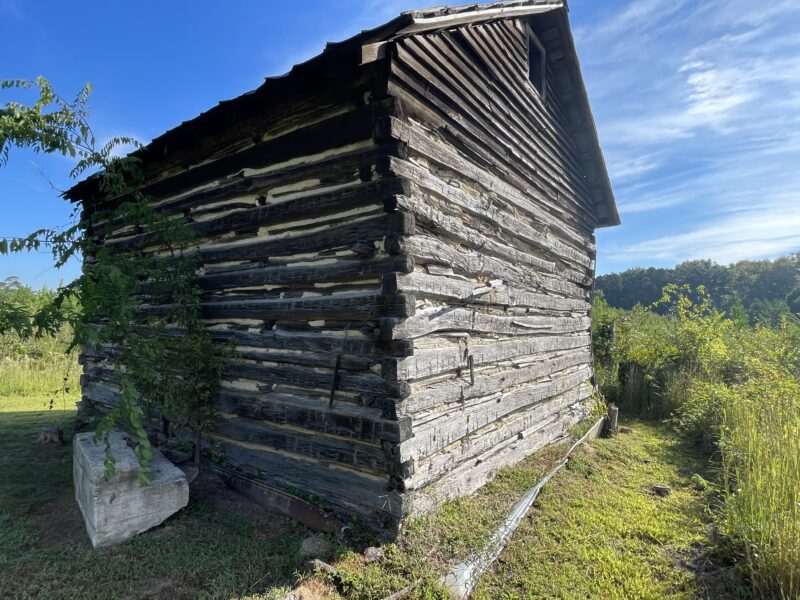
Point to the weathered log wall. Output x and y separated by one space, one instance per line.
503 255
293 218
402 253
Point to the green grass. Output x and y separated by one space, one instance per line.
597 530
205 551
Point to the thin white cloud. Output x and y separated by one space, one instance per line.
624 167
651 203
698 107
636 18
751 234
735 13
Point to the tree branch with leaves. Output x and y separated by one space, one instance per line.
138 308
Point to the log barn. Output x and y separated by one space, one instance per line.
398 236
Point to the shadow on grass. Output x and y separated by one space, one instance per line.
205 551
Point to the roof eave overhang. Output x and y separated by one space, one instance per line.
369 44
572 89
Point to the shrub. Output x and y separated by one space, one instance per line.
736 389
34 365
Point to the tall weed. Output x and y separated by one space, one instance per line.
760 449
30 364
736 389
38 366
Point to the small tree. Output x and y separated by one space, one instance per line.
141 308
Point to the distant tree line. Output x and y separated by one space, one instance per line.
760 291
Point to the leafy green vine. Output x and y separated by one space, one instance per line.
136 304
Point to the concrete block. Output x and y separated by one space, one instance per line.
120 507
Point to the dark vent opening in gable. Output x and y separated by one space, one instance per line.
536 63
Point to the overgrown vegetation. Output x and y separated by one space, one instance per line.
736 390
35 365
137 301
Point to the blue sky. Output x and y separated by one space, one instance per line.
697 104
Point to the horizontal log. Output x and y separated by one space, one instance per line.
437 396
494 434
445 318
305 372
279 338
368 383
427 362
484 210
307 358
309 205
101 372
338 486
447 226
278 292
333 237
357 454
308 275
321 167
314 342
280 106
477 471
451 425
344 420
334 132
523 199
247 191
449 289
348 306
99 392
281 502
379 193
500 158
428 250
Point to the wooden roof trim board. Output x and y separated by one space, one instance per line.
606 204
425 21
369 45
